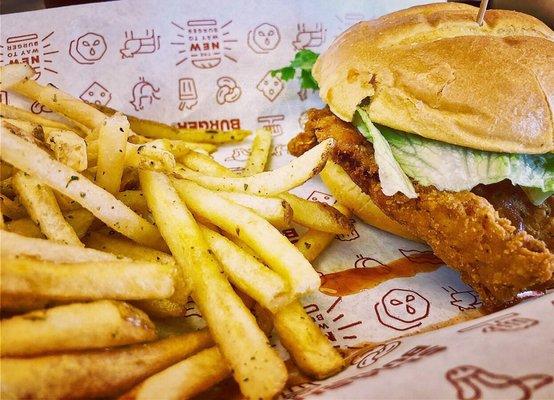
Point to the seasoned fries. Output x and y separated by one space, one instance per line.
13 245
247 273
43 209
261 146
112 141
184 380
75 327
313 242
276 211
97 373
118 280
12 74
68 148
264 239
258 370
308 346
269 183
203 163
167 233
7 111
29 158
61 102
316 215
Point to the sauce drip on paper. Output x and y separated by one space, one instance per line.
355 280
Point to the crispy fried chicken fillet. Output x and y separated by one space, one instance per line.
499 260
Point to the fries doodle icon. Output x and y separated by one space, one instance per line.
188 95
143 92
309 38
147 44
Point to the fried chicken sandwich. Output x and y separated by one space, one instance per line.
447 128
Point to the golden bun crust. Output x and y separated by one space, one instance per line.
433 71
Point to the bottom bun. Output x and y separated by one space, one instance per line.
350 195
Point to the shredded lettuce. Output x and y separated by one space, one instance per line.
449 167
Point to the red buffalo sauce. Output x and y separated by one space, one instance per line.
355 280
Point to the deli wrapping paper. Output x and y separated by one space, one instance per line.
205 64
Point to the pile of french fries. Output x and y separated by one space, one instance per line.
110 224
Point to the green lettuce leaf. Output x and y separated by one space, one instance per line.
391 176
455 168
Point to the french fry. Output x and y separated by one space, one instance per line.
351 196
12 245
174 306
205 164
7 111
24 227
93 374
276 211
316 215
29 158
43 209
76 326
61 102
212 135
259 153
185 379
310 349
117 280
6 170
148 157
18 304
277 252
12 209
6 187
269 183
127 248
12 74
312 242
247 273
80 220
67 147
134 199
112 141
180 148
258 370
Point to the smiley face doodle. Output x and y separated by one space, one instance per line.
263 38
402 309
88 48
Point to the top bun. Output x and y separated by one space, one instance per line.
433 71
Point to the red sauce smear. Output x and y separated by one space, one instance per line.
355 280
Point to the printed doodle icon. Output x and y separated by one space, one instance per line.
88 48
263 38
143 93
270 86
227 90
463 299
188 96
511 322
31 49
474 383
402 309
97 94
271 122
146 44
372 355
204 42
309 37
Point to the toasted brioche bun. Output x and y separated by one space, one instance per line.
433 71
350 195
